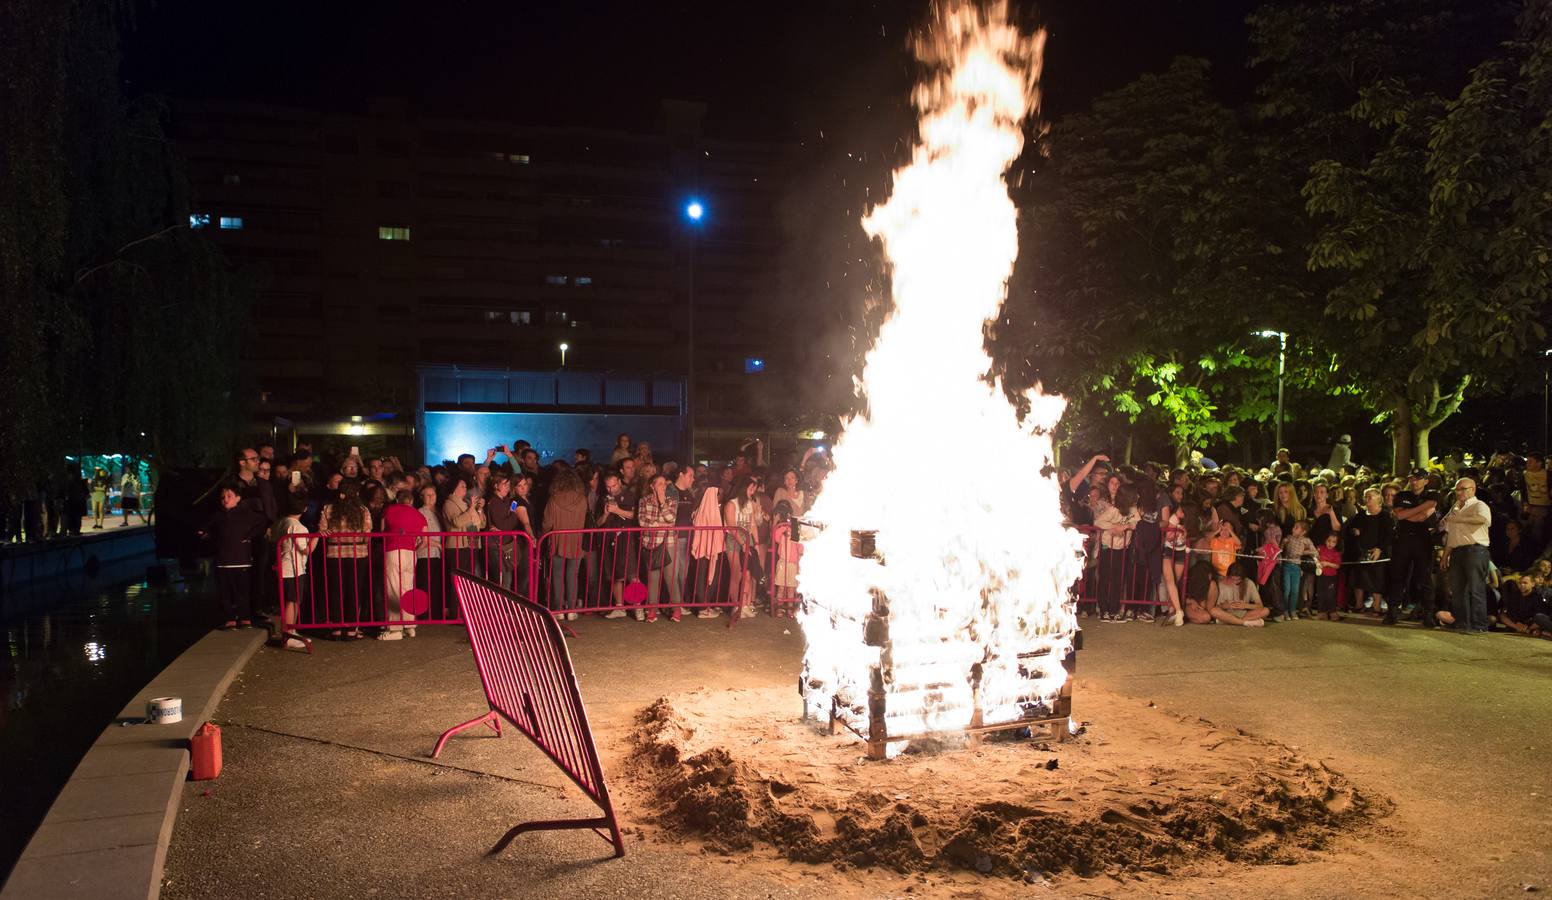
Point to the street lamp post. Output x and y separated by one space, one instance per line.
1546 395
1282 359
563 348
694 211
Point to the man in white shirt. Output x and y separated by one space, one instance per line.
1466 559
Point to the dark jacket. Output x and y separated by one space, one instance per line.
232 531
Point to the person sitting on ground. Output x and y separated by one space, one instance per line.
1237 602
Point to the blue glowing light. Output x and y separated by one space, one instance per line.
695 210
754 364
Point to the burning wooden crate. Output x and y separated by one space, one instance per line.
923 685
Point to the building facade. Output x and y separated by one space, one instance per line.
385 241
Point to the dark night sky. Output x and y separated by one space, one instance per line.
772 71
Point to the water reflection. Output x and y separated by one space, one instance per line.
71 663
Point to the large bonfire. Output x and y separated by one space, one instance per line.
975 561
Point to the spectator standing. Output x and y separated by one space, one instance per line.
295 552
739 514
1466 559
1297 547
566 511
1411 558
430 575
1536 498
404 525
100 484
1370 538
129 496
463 511
347 552
1341 454
622 449
1328 568
620 557
1115 523
233 530
658 513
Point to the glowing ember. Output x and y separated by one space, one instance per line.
977 564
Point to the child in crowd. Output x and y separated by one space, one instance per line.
1270 561
1297 547
1328 568
1224 546
294 555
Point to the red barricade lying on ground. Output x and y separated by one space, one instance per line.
528 680
650 571
344 582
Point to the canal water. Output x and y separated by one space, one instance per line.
76 650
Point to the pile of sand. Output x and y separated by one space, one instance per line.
1139 790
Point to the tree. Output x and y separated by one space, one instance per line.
1149 260
117 319
1361 90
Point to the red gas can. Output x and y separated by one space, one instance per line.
205 753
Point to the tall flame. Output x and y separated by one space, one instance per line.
977 561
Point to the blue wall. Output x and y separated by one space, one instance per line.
448 434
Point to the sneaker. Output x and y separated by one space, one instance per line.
572 617
1180 617
294 644
1254 623
409 631
675 615
615 614
639 616
747 612
708 613
1145 617
391 636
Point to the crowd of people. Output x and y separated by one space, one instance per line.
59 507
723 543
1458 546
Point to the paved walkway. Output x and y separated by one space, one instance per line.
329 792
106 835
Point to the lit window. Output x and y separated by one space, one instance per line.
231 223
555 279
753 365
555 317
522 317
520 159
199 220
393 232
584 279
231 180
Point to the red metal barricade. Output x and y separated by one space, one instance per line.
1115 572
646 571
528 680
343 582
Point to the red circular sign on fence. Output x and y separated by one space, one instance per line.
635 593
414 602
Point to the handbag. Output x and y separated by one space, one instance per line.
659 557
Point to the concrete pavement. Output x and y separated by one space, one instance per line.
329 791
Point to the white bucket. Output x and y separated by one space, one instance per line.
164 710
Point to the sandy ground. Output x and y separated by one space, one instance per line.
329 790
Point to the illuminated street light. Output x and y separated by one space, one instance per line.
1282 356
563 348
694 211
